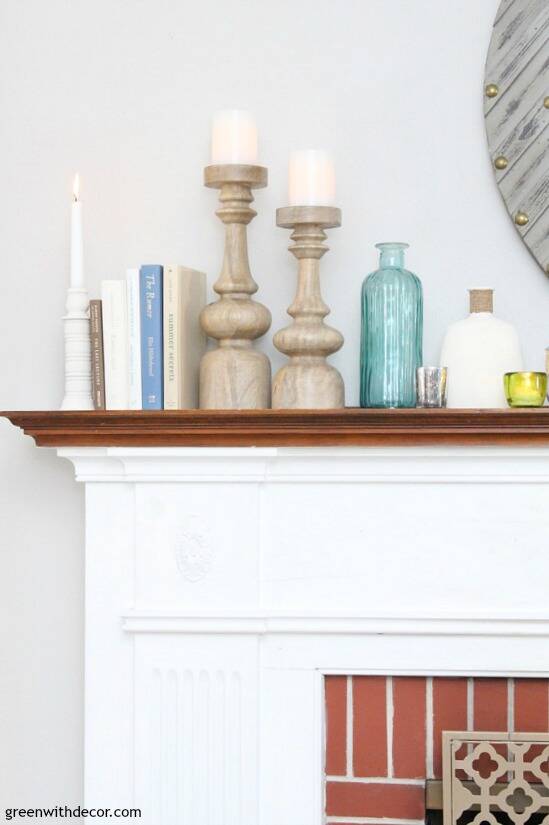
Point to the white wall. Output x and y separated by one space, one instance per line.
123 91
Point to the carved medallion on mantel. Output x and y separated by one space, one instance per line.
193 553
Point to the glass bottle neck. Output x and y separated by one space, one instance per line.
391 258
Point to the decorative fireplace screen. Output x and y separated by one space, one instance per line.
495 778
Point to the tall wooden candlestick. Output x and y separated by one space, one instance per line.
307 381
235 376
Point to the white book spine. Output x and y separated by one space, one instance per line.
134 339
115 344
184 340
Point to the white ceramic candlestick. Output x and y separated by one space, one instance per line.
307 381
76 322
235 376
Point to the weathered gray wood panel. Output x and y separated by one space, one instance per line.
516 107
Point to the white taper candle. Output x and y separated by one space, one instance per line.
77 242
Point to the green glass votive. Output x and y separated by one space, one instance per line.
525 389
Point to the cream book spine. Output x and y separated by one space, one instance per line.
184 340
115 344
134 339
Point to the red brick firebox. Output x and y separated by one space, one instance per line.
383 736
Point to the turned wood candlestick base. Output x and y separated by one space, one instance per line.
235 376
307 381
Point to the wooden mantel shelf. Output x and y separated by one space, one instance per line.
278 428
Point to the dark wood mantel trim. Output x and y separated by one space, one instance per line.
278 428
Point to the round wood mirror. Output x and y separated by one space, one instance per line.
516 108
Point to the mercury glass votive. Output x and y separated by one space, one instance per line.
431 386
525 389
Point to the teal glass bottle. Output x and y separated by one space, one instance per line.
391 333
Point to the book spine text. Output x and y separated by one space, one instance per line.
151 308
184 340
97 357
171 295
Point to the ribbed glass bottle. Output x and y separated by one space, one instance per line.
392 332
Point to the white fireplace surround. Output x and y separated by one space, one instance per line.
223 583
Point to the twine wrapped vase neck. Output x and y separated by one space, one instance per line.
481 300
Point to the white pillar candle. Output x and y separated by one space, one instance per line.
311 179
234 137
77 245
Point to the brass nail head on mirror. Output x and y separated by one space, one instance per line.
492 90
546 102
501 162
521 219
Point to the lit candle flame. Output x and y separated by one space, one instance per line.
76 186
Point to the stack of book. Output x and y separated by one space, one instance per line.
146 340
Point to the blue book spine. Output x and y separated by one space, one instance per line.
150 300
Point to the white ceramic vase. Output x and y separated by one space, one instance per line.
478 351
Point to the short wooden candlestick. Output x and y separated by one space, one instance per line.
307 381
235 376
